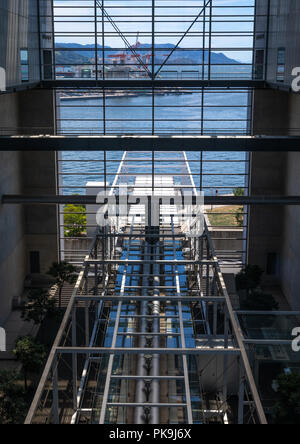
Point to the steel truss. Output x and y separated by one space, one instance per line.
141 328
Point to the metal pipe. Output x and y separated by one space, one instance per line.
198 351
141 368
155 395
114 343
181 298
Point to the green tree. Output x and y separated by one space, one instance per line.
287 409
74 220
259 301
63 273
39 307
12 405
239 192
239 216
31 355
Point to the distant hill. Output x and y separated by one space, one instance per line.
180 56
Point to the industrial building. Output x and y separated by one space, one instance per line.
173 129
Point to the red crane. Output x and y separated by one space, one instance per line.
127 44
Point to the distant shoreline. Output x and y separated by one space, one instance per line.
120 95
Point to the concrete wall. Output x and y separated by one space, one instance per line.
27 112
19 30
227 239
32 228
265 234
40 221
12 251
270 113
284 32
267 177
36 112
36 116
291 230
290 248
276 229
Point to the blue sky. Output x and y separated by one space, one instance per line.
232 27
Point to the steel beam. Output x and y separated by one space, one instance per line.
267 313
145 404
148 262
149 83
151 143
15 199
269 342
135 298
21 87
148 334
162 351
135 378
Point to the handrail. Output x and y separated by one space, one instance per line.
57 342
238 335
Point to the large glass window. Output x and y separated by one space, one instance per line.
174 41
113 39
281 63
24 65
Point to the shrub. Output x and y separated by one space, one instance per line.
74 220
287 409
31 355
238 192
39 306
249 278
63 273
239 217
12 405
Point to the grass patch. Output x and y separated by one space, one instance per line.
226 217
